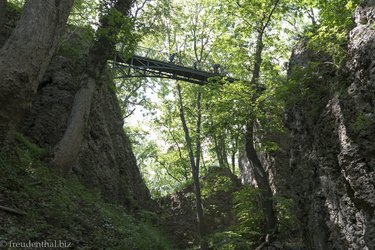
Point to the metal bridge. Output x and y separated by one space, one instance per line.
151 63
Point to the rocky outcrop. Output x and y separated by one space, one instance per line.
179 209
332 146
9 17
326 161
105 160
274 163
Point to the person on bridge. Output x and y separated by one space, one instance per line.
172 56
216 68
195 64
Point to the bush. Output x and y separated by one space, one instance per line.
228 240
362 122
245 234
248 232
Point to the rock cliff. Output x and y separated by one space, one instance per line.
105 160
327 157
332 157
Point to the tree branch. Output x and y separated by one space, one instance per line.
270 15
139 8
129 114
175 141
13 211
166 168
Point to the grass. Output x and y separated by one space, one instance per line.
63 209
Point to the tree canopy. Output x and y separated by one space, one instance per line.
225 33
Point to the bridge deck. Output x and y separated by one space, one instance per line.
139 66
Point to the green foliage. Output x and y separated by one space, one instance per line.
163 170
18 4
246 233
76 42
13 12
59 208
229 240
118 28
298 83
331 34
249 229
362 122
248 212
30 147
226 32
84 13
287 220
213 32
309 86
268 146
215 182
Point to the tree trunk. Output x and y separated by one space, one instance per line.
261 177
224 152
233 161
198 130
194 165
257 60
67 149
203 163
3 4
217 150
26 55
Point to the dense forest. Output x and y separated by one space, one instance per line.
203 124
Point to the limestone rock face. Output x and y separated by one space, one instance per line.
326 161
332 152
105 160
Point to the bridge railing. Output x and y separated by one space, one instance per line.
178 58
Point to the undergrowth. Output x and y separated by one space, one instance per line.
62 209
248 231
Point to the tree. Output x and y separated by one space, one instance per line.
188 36
194 160
245 38
25 56
112 21
249 24
260 174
